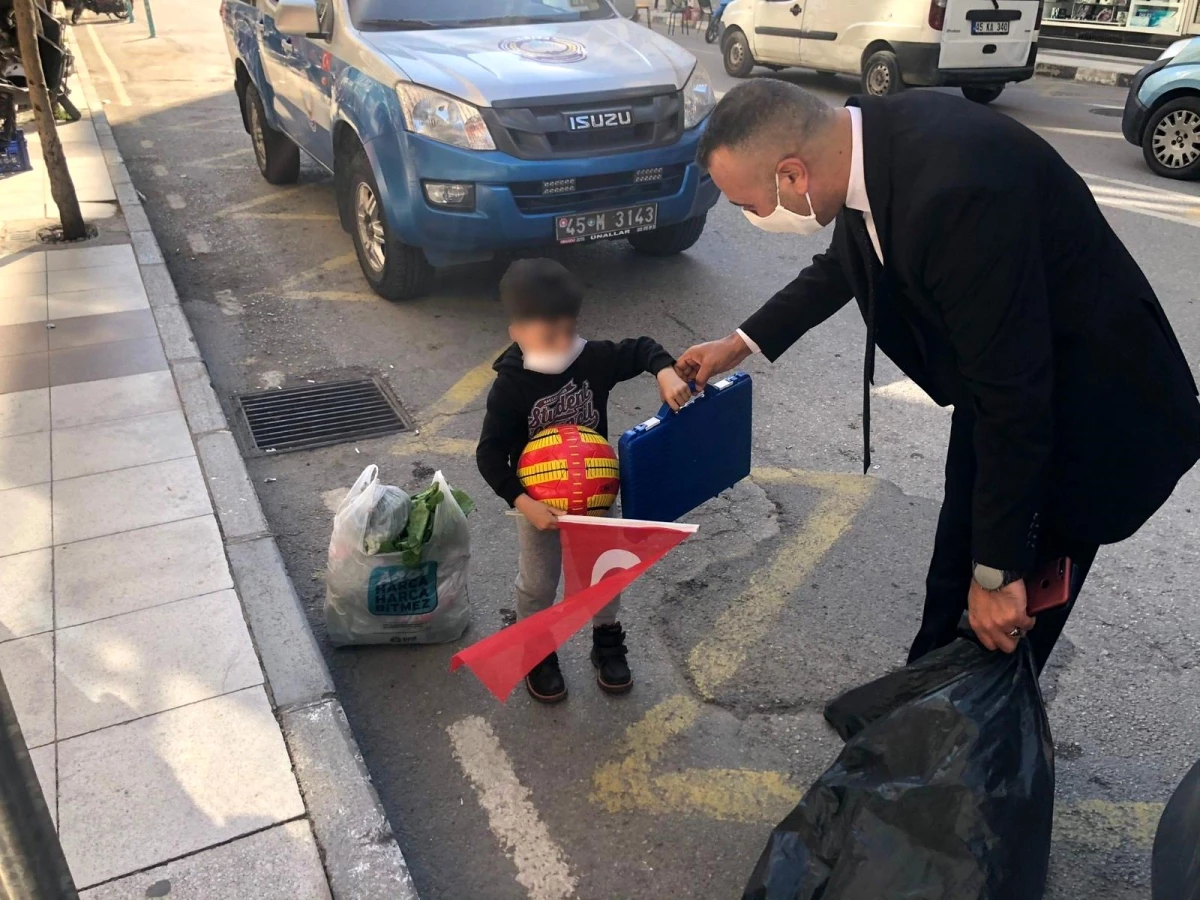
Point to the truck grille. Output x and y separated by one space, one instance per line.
595 192
649 118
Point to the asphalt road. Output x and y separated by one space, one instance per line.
805 580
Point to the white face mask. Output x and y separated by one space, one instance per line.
783 220
553 363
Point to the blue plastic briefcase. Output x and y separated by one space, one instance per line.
672 463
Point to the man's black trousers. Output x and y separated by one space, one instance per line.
949 577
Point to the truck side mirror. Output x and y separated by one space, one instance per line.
297 18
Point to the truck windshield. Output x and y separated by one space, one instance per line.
412 15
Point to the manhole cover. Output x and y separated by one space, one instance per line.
317 415
1107 111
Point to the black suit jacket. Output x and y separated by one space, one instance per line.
1004 287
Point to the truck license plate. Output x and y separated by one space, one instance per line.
610 223
990 27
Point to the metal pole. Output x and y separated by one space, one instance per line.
149 17
32 865
129 6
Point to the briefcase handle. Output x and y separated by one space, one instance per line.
666 407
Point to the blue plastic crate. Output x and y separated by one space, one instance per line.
15 157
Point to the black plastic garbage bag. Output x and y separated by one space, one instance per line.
1175 864
944 790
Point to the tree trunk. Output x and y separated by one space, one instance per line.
62 189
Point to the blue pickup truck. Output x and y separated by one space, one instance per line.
457 129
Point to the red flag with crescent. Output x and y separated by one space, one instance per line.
601 557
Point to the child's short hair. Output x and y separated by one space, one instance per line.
540 289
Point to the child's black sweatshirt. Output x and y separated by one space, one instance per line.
521 403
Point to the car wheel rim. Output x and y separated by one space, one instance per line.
1176 140
257 136
879 80
370 226
735 54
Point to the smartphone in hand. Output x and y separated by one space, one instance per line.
1049 588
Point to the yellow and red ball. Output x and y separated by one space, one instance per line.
572 468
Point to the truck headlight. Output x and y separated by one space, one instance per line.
443 118
698 97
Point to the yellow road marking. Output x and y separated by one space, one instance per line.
728 795
462 394
262 200
330 265
1104 824
715 660
114 77
286 217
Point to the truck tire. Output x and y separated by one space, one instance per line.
1171 141
739 61
982 93
669 240
394 270
881 74
277 155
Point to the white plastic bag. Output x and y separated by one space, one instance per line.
376 598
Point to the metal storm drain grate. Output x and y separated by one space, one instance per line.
317 415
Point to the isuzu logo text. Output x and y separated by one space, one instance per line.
596 120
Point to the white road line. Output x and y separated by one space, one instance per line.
1080 132
541 864
907 391
148 145
198 243
1156 202
160 171
175 201
117 84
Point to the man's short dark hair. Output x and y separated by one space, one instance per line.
761 108
540 289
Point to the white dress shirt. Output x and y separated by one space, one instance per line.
856 195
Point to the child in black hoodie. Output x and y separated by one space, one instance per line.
552 376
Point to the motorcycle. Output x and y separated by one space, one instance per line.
57 65
713 32
118 9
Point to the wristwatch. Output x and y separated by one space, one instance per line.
991 579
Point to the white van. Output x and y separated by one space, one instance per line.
978 45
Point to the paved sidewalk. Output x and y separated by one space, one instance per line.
178 712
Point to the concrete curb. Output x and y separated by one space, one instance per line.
1088 74
358 848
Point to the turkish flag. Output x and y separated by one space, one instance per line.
601 557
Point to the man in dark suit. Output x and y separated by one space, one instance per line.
984 269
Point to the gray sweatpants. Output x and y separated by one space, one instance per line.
538 570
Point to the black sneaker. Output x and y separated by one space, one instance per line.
608 656
545 683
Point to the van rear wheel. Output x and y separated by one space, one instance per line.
982 93
881 74
394 270
669 240
739 62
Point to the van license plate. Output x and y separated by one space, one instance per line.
990 27
610 223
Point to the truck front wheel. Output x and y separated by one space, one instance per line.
277 155
669 240
394 270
